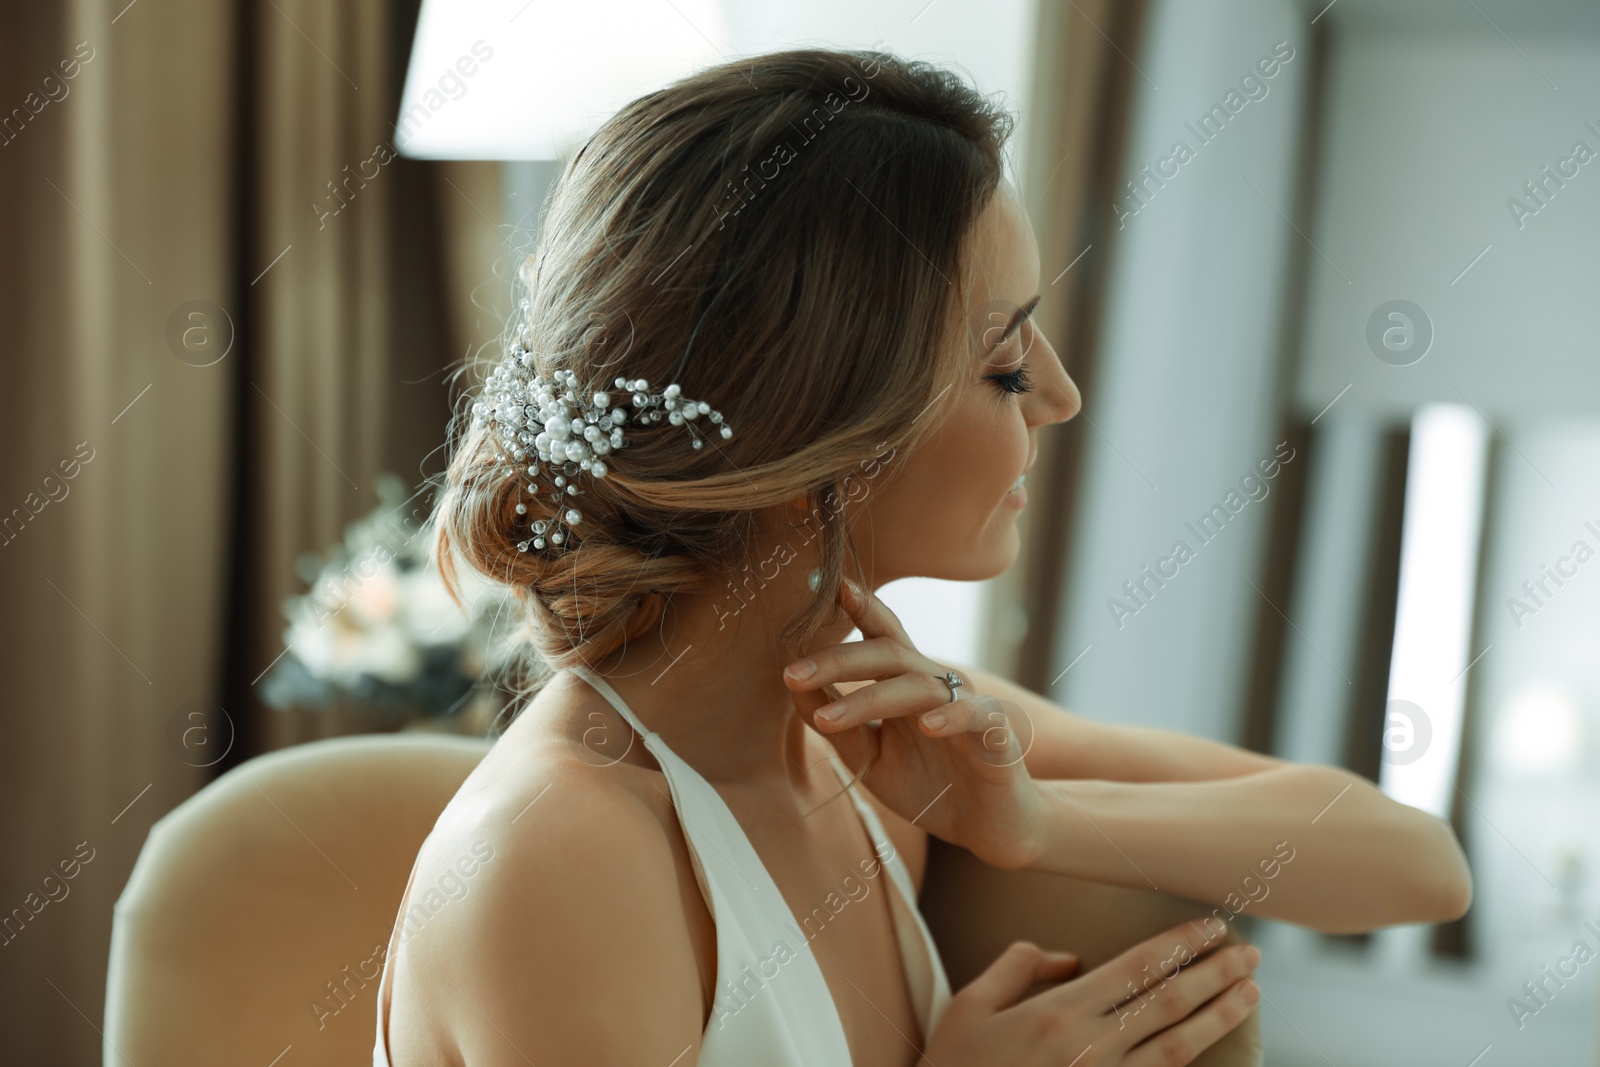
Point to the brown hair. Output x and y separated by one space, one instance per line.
783 236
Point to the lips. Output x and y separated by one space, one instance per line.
1023 477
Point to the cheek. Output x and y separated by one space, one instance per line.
983 448
998 444
962 473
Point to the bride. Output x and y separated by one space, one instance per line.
775 353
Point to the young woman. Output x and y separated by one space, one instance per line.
809 264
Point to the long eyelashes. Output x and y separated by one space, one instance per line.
1016 381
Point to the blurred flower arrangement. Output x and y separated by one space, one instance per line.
378 629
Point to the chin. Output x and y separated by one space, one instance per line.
991 558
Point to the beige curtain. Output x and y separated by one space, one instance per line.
351 312
157 158
114 210
1078 117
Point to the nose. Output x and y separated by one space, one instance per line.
1058 400
1071 400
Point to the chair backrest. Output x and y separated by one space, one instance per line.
258 913
975 911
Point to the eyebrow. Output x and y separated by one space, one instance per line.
1016 318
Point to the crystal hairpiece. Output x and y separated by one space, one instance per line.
570 434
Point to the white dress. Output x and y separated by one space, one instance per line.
772 1006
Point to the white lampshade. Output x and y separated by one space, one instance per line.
527 79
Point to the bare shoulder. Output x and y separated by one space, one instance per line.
546 910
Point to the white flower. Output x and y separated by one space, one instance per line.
389 654
376 597
429 615
341 654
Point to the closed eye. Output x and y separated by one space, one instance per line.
1016 381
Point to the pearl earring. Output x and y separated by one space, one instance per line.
814 579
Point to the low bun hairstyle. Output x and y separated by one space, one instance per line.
783 236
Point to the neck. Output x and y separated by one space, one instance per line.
709 680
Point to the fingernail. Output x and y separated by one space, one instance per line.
831 712
1249 992
933 720
801 670
1252 956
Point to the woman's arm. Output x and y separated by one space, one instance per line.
1059 744
1313 845
1147 808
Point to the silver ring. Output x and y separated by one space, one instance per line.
954 681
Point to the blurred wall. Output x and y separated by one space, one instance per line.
1431 138
1192 372
1434 123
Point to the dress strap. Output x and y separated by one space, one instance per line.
672 767
604 688
751 913
930 987
758 943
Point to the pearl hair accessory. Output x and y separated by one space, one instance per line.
570 434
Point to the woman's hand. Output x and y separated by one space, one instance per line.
1161 1003
962 780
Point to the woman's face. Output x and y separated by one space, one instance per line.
950 512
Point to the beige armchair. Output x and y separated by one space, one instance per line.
1065 914
259 911
257 916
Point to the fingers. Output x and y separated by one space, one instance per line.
1184 1042
873 658
1173 1000
914 693
905 681
1149 962
1023 964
